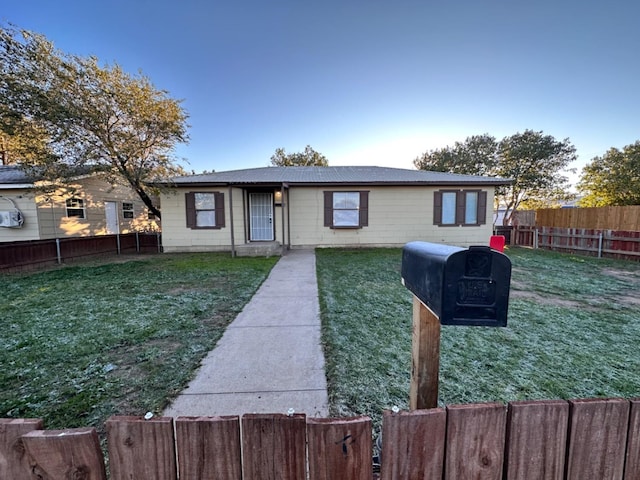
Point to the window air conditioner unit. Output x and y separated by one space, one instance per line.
11 219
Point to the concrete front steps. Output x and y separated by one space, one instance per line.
259 249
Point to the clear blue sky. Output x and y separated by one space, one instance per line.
366 82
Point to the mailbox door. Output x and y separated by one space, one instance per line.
476 288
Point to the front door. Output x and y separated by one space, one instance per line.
111 214
261 217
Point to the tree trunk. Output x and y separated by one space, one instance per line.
147 201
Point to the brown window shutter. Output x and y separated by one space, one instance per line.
219 196
364 209
190 202
460 207
482 208
328 209
437 208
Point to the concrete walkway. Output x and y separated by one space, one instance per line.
269 359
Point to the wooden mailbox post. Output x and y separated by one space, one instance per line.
450 286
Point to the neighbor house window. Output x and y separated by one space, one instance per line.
127 210
460 207
346 209
75 208
205 209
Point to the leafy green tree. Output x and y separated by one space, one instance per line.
93 116
308 158
535 163
21 140
613 179
477 155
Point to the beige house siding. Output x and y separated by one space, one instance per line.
24 200
397 215
46 214
184 239
178 237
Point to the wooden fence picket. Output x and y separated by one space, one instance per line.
632 461
536 439
72 453
550 439
475 441
209 448
413 444
340 449
274 446
14 463
141 449
597 439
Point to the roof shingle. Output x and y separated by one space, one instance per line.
335 175
13 174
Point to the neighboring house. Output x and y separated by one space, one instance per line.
296 207
88 206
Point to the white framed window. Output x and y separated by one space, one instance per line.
205 209
75 207
346 209
127 210
471 208
449 208
465 208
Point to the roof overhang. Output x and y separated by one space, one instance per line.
15 186
331 184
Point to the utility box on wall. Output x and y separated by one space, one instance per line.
461 286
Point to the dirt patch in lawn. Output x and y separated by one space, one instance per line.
546 300
631 277
628 299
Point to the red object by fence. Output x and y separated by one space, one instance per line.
497 242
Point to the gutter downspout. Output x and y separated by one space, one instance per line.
288 222
282 214
233 243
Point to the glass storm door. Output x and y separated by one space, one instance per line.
261 217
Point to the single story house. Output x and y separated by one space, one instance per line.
89 205
265 210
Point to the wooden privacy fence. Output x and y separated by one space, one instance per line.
598 243
598 218
610 243
578 440
18 255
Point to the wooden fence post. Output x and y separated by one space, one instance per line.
632 461
413 445
536 439
14 463
597 438
425 357
140 448
340 449
475 441
73 453
274 446
209 447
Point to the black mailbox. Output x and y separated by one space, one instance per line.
461 286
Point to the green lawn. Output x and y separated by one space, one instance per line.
573 331
83 342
